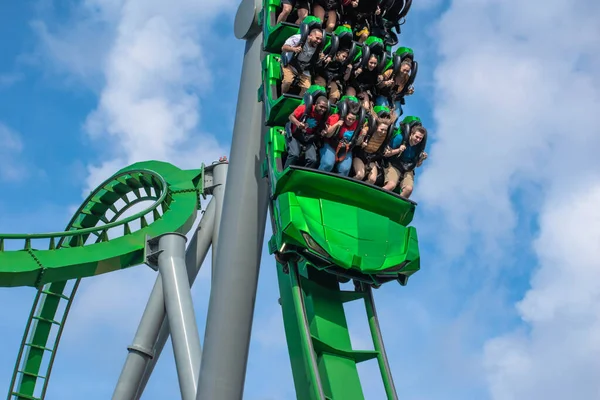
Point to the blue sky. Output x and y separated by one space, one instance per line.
506 305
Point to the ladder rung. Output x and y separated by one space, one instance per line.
48 293
50 321
357 355
24 396
35 346
351 295
31 374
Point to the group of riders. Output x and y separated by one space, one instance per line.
364 138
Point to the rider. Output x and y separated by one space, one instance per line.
390 87
304 129
362 82
331 74
339 134
300 66
405 153
368 156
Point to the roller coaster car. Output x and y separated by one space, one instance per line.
337 224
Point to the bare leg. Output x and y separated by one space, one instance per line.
319 12
285 13
359 168
373 174
331 19
302 13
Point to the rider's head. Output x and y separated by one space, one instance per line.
315 37
405 66
353 109
417 134
382 125
341 55
372 64
321 105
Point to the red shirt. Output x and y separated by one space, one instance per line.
312 119
344 130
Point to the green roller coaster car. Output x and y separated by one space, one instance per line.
346 227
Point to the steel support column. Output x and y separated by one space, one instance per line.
235 277
180 311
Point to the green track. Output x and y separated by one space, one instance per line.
95 242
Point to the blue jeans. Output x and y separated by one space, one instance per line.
397 106
328 161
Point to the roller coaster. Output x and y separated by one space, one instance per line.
327 229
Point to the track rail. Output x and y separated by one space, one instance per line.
97 227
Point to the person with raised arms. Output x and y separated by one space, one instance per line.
406 151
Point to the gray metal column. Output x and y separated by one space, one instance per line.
234 284
143 343
219 178
194 258
180 310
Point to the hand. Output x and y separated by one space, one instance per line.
358 71
410 90
348 67
402 148
339 123
364 144
423 156
297 49
387 153
378 11
301 125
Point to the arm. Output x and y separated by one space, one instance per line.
422 158
292 44
384 79
297 114
333 128
361 137
348 72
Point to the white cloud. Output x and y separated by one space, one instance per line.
516 135
12 166
557 356
155 70
510 109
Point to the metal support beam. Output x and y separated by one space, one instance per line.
219 174
215 182
235 277
153 330
180 311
